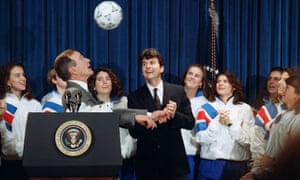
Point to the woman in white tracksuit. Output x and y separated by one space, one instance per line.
197 90
52 101
19 102
223 129
284 129
264 121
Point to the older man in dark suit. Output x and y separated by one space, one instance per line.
160 153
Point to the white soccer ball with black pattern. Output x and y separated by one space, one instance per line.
108 15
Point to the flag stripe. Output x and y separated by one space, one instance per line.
266 114
211 111
52 107
200 126
9 115
11 108
206 114
8 118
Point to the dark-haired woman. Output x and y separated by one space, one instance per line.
197 90
285 127
223 128
265 117
19 102
110 93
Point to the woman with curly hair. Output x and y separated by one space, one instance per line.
110 93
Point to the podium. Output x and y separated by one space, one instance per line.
72 145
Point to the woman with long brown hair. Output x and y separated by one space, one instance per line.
19 102
223 128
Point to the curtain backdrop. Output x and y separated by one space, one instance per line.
253 36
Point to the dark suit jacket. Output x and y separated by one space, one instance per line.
127 116
160 152
87 97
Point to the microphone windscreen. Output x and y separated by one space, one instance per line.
71 99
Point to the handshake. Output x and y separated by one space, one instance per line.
160 116
224 117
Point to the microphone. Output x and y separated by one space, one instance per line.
66 101
71 99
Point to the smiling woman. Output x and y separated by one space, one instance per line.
284 129
197 90
19 102
110 93
223 128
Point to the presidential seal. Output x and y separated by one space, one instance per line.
73 138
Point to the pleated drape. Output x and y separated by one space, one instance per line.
253 37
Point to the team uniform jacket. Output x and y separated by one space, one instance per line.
52 102
220 141
192 147
13 124
282 130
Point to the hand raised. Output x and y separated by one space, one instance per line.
171 108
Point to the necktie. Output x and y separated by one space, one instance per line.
156 98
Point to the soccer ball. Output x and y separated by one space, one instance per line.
108 15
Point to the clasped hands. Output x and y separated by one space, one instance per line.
160 116
224 117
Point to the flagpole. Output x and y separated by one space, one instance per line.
213 40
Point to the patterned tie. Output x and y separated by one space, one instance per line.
156 99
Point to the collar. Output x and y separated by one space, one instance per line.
229 100
199 93
81 84
159 89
